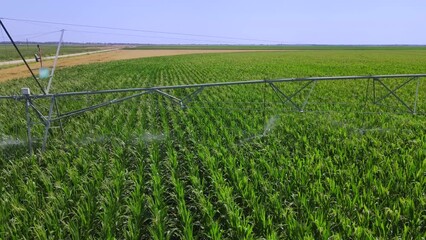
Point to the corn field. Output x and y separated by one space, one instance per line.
235 164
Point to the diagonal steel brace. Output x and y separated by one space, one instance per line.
394 94
395 89
288 99
190 96
48 123
175 99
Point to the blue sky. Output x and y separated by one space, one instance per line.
287 22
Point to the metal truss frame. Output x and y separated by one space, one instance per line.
53 114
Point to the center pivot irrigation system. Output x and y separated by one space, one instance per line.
53 115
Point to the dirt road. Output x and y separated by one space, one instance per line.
14 72
18 62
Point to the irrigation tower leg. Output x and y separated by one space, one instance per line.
367 91
416 97
374 90
26 93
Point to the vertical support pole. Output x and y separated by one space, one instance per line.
374 90
47 124
40 55
416 99
264 101
55 61
366 93
26 92
309 95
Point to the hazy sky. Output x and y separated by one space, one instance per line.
287 22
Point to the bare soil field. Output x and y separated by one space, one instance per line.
20 71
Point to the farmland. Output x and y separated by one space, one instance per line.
282 47
235 164
8 72
8 52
